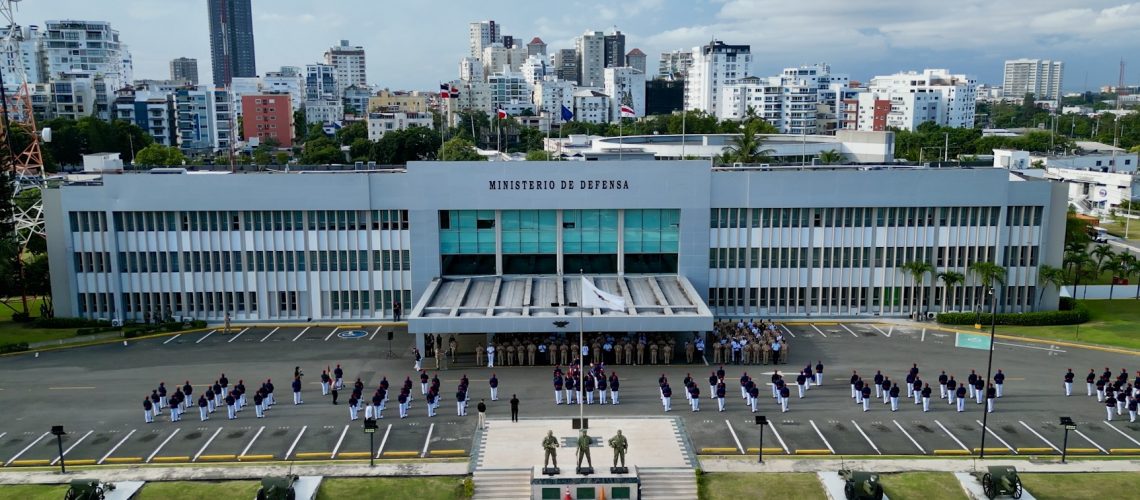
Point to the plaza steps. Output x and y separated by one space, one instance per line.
504 485
667 484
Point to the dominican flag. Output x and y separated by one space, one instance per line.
567 115
593 297
502 113
454 92
444 90
627 111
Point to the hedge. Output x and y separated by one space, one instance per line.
1079 314
71 323
7 348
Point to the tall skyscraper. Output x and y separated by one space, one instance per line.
350 65
231 40
184 69
1039 77
615 50
591 58
715 65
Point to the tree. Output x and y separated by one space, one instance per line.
830 157
1049 276
460 149
917 271
398 147
537 155
157 155
282 157
352 132
1131 267
748 146
299 124
1100 253
987 274
949 280
1114 268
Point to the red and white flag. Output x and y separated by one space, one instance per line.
502 113
627 111
454 92
443 91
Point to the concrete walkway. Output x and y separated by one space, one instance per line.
458 468
714 464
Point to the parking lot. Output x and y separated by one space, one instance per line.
96 394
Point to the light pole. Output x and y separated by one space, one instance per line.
1069 425
370 429
761 420
58 431
989 368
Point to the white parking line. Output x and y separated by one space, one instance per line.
907 434
26 448
427 441
734 438
156 450
1081 434
255 436
117 445
853 334
948 433
383 441
788 331
370 337
880 331
263 339
923 339
329 336
818 330
778 438
890 331
73 445
829 448
992 433
336 448
1050 348
872 443
171 339
295 441
1110 426
1039 436
300 334
235 337
208 441
205 337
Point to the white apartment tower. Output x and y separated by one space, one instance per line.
907 100
349 63
591 51
481 35
626 86
715 65
22 59
90 47
1040 77
674 65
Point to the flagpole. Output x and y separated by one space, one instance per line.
620 143
581 344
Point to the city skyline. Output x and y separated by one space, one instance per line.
861 40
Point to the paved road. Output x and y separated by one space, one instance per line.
96 394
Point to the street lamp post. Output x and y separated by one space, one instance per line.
1069 425
761 420
989 369
370 429
58 431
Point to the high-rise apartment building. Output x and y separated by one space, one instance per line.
1040 77
626 87
231 40
906 100
88 47
320 81
800 100
674 65
536 47
184 69
614 50
482 34
715 65
566 65
636 60
289 80
22 60
591 51
268 116
349 63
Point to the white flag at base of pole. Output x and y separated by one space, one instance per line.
593 297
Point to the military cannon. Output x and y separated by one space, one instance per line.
861 485
1001 480
87 489
277 488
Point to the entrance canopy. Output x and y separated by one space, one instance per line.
507 304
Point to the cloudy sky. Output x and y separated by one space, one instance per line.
414 44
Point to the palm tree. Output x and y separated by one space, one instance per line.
949 279
1113 267
830 157
987 274
917 271
1072 257
1049 276
1100 253
1130 266
747 147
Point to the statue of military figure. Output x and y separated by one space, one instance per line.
550 444
619 444
584 442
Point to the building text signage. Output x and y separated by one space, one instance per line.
560 185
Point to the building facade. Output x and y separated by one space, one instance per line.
289 80
88 47
382 123
614 56
481 35
590 49
231 40
636 59
1040 77
674 65
21 61
184 69
752 243
935 96
626 86
152 111
714 66
350 65
268 116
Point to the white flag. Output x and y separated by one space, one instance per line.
593 297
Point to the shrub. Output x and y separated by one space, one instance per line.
1079 314
21 317
69 322
197 324
19 347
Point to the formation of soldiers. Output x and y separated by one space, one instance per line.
178 400
1115 393
542 349
955 392
577 386
747 343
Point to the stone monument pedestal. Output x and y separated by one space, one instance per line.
596 484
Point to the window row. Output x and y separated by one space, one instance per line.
220 261
927 299
364 300
87 221
840 257
847 217
1020 256
1024 216
165 306
263 220
92 262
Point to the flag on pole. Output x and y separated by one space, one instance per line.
627 111
454 92
502 114
567 115
593 297
444 91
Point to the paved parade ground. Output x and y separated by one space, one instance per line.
96 394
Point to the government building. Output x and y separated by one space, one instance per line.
489 247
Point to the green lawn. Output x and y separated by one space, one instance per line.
922 486
192 490
1105 278
1081 486
32 492
393 488
12 332
1113 323
762 486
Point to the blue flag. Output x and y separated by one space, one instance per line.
567 115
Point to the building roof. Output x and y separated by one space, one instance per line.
524 304
636 52
536 41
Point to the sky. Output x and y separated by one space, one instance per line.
416 44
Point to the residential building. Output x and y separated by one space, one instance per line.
199 112
289 80
21 61
231 40
674 65
510 92
324 110
481 35
471 69
664 97
184 69
592 106
152 111
267 116
614 52
76 94
566 65
536 68
90 47
356 99
473 95
536 47
714 66
387 101
225 118
551 94
636 60
349 63
792 102
321 82
591 52
906 100
382 123
626 86
1040 77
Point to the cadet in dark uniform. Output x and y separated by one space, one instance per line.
999 379
720 390
926 391
1100 384
916 389
886 386
187 391
431 397
960 397
878 379
695 397
218 394
942 385
514 408
1132 407
338 376
557 388
1109 404
259 403
991 394
162 399
297 391
613 388
753 395
494 383
818 373
202 408
231 411
601 384
352 406
971 384
979 385
784 397
588 386
666 397
461 402
325 379
403 400
854 390
1089 380
713 379
857 388
801 383
156 402
866 397
894 391
910 378
951 388
148 411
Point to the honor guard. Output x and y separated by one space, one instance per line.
614 388
297 391
695 397
148 411
801 383
858 387
784 397
162 399
991 395
325 382
916 389
910 378
430 398
960 397
202 408
403 400
1100 384
588 386
744 380
1090 379
979 385
894 391
942 378
999 380
753 396
259 404
878 379
601 384
971 385
494 382
866 397
352 407
951 389
666 397
720 391
1069 382
854 390
926 391
460 402
887 386
225 382
1109 404
231 411
211 399
818 373
156 402
557 388
713 379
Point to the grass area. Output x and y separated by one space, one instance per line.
792 486
1117 229
1079 486
32 492
1105 278
393 488
191 490
12 332
922 486
1113 323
